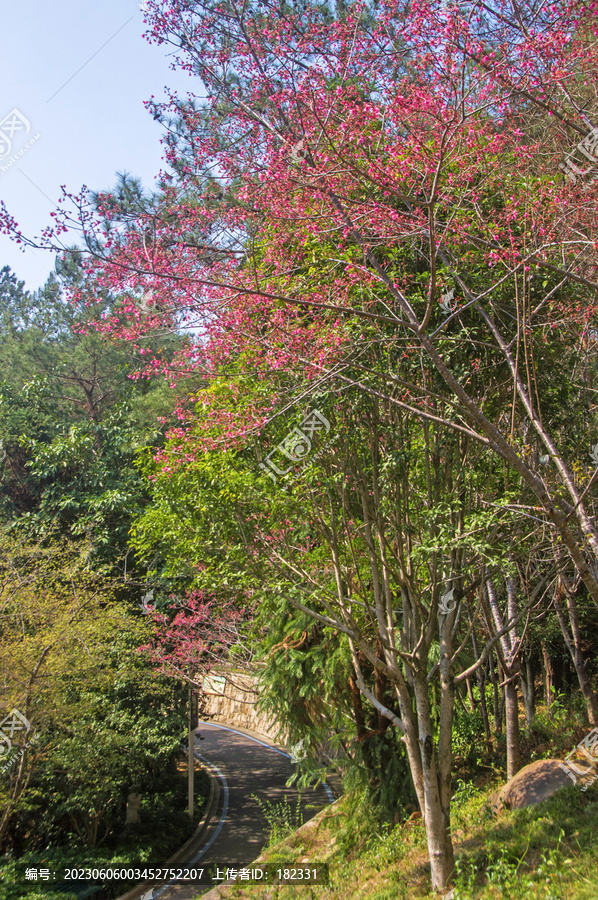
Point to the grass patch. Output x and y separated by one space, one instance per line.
545 852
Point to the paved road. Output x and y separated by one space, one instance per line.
238 830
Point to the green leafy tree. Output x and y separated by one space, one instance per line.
101 724
74 410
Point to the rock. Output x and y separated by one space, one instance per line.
538 782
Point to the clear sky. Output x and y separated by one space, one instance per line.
91 123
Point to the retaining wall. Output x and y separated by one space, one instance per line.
230 698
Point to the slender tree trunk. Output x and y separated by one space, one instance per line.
587 690
509 664
495 699
501 706
437 814
573 641
512 729
484 706
358 714
432 784
481 678
528 689
472 705
548 673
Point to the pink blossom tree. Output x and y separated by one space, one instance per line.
387 174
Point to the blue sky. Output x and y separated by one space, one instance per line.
91 123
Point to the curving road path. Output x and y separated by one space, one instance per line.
238 830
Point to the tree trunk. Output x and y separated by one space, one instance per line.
589 695
512 728
495 699
470 695
548 675
509 664
528 689
481 678
573 640
440 845
436 814
484 706
557 675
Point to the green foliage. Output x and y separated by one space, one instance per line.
73 413
162 828
103 724
88 484
558 725
468 738
120 739
282 818
380 769
538 852
464 793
